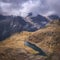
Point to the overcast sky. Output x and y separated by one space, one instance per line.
23 7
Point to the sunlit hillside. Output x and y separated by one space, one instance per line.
16 40
47 38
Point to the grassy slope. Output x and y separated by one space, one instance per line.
48 39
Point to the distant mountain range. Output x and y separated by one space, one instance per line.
12 24
53 17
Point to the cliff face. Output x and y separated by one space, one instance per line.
48 39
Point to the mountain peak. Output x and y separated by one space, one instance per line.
30 14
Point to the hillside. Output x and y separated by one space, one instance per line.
48 39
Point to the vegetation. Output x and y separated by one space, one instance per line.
48 39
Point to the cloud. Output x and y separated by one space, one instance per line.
49 13
54 6
29 6
10 7
23 7
44 7
4 7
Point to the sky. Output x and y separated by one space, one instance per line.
23 7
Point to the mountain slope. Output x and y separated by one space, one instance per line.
12 24
48 39
54 17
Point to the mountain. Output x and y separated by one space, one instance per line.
47 39
38 21
54 17
12 24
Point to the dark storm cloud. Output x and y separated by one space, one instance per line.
23 7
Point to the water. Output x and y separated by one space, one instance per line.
33 46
